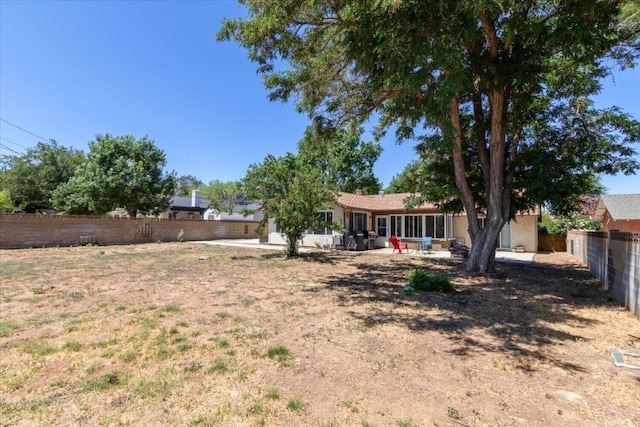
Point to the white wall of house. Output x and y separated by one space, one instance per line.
214 215
523 231
310 239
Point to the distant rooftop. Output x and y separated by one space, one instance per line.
620 207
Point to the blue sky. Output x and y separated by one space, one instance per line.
70 70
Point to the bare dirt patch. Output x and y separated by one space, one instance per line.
187 334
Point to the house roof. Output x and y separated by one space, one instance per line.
378 202
177 202
620 207
392 202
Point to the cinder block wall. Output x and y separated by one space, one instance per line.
31 230
614 258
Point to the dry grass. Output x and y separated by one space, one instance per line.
153 335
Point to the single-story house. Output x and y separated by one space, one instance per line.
619 212
192 207
382 215
237 213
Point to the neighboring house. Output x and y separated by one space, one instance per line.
237 214
186 207
619 212
383 215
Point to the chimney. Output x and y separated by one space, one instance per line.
195 199
381 193
360 192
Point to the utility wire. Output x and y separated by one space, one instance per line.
24 130
13 142
10 149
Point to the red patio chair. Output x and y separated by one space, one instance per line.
398 246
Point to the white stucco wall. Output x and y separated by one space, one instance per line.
524 231
309 240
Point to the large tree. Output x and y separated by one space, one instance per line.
471 80
291 193
120 171
31 178
345 161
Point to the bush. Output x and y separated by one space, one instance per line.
421 280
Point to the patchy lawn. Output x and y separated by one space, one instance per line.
186 334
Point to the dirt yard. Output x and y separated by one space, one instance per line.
185 334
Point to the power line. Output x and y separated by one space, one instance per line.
13 142
10 149
24 130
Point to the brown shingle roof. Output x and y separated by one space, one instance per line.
377 202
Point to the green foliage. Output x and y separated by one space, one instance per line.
279 353
119 172
295 404
7 327
32 178
550 225
224 195
423 281
6 205
291 194
185 184
345 161
496 93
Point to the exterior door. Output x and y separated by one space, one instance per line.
505 237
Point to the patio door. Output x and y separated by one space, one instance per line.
505 237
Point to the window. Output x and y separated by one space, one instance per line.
439 227
358 222
326 216
382 226
418 226
396 225
413 226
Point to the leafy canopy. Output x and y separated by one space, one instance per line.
225 195
345 161
490 89
120 171
31 178
291 194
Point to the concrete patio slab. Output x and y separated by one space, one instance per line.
501 256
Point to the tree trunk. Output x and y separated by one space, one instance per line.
292 245
483 251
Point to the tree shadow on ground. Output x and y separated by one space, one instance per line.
323 257
519 315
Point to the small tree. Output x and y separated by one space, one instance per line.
291 194
119 172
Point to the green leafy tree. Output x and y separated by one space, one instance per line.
185 184
406 181
291 194
494 89
32 177
6 205
224 195
120 171
344 160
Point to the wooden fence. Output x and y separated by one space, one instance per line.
32 230
614 258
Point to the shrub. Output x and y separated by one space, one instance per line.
421 280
